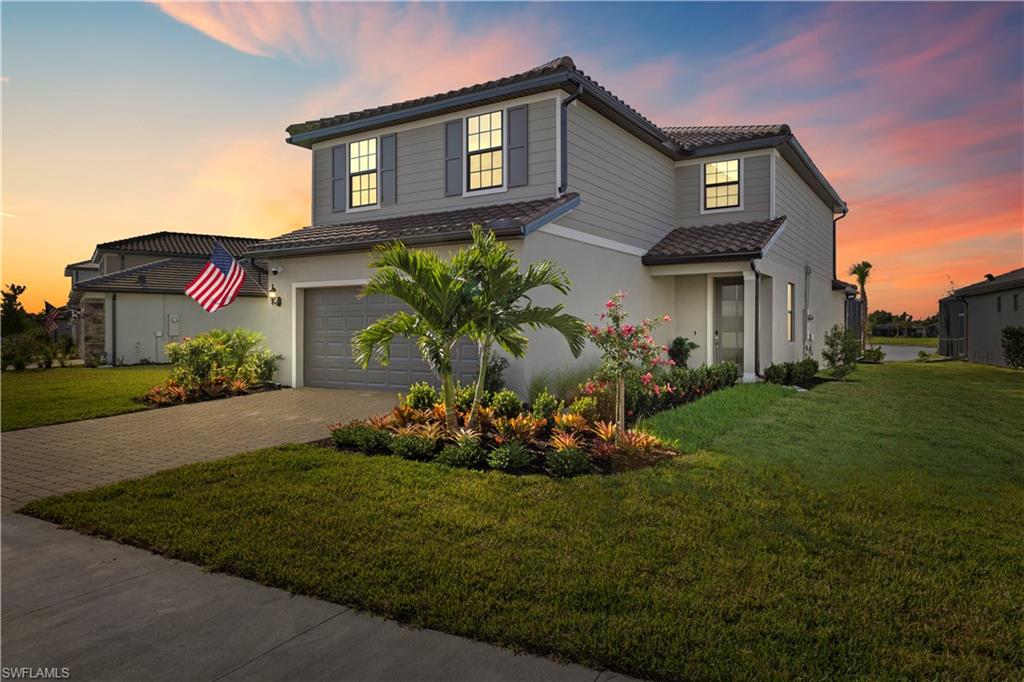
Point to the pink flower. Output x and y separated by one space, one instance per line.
646 379
657 390
667 318
609 304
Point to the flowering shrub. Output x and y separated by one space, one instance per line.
628 350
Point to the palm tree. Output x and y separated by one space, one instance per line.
861 271
440 296
502 306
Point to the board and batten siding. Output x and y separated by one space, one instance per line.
420 171
755 190
806 238
625 186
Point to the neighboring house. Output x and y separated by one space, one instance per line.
972 319
730 229
131 295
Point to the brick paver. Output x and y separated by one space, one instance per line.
61 458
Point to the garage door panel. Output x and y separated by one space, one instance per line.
333 316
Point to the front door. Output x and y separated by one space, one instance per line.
729 320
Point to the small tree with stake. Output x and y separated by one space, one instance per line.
627 349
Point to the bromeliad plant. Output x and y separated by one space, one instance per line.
627 349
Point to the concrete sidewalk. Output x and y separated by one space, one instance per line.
111 612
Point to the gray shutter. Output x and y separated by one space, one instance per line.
518 174
339 164
453 158
388 181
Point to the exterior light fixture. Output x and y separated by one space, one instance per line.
273 296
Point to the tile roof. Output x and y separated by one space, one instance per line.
505 219
1007 280
727 241
178 244
561 63
839 285
691 138
167 276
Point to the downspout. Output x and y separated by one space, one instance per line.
757 321
563 141
113 330
967 319
834 221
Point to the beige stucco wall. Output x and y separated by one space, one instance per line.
141 317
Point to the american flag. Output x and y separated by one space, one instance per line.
50 317
218 283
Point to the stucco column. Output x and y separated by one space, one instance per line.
749 337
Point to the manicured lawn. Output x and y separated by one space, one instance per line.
865 529
67 394
924 341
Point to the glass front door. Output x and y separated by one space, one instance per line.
728 330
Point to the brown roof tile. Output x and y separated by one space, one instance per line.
1007 280
727 241
167 276
691 138
506 219
178 244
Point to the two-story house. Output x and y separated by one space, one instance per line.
131 295
730 230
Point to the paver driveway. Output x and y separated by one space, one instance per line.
64 457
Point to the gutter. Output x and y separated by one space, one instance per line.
563 140
757 320
716 258
835 220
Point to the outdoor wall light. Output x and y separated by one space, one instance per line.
273 296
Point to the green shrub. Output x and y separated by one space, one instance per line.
1013 346
413 447
372 440
464 397
792 373
421 396
546 406
680 350
806 370
779 373
512 456
586 406
348 436
467 454
506 403
873 355
19 350
840 352
569 462
221 355
922 355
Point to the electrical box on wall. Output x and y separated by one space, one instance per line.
173 324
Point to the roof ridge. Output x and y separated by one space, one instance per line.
158 233
135 269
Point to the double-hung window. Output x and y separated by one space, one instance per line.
484 151
790 318
721 184
362 169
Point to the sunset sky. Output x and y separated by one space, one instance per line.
122 119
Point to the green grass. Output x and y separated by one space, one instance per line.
67 394
924 341
866 529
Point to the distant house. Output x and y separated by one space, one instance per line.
130 296
972 319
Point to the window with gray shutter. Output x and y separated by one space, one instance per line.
388 181
518 174
338 165
453 158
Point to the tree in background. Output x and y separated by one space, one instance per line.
13 318
862 271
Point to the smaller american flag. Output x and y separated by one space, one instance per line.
218 283
50 317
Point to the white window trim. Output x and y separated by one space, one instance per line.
703 176
348 177
466 192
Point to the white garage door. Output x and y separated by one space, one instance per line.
333 316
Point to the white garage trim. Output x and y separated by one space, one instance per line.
297 322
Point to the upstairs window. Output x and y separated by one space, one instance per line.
484 158
722 184
362 169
